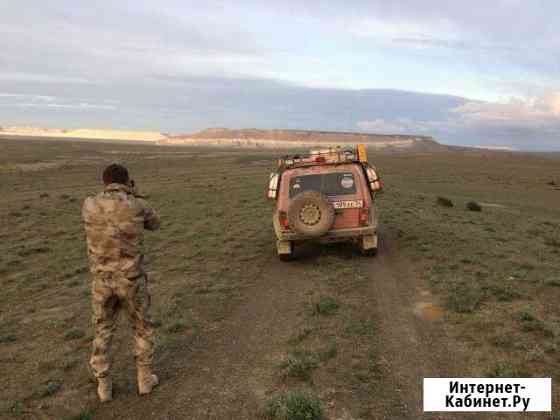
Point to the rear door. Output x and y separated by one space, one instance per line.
344 188
343 191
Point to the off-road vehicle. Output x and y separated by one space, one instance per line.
326 196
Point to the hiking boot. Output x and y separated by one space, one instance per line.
146 380
104 389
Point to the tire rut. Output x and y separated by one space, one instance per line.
414 347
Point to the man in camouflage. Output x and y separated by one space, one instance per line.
114 221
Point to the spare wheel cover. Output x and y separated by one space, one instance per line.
311 214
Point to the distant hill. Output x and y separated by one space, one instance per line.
302 138
83 133
242 138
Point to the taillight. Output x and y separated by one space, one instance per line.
283 219
377 185
364 216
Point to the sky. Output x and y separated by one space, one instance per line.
472 73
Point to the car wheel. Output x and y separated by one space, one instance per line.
372 252
285 250
286 257
310 214
368 245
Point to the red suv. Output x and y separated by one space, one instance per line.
327 196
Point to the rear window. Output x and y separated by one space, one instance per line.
338 183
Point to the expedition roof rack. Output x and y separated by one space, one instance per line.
330 156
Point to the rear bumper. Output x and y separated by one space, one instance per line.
333 235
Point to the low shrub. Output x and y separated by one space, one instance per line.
326 306
464 298
474 206
294 405
300 364
444 202
74 334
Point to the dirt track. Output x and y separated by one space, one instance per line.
229 372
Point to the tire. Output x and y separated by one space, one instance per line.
310 214
370 251
285 254
286 257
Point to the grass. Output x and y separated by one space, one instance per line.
530 323
444 202
70 364
463 297
552 242
301 336
360 327
74 334
505 369
8 338
326 305
17 408
86 414
300 364
181 326
373 362
552 282
216 239
485 267
474 206
505 293
294 405
330 353
176 327
52 388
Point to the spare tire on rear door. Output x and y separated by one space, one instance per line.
311 214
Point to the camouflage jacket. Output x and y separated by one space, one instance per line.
114 222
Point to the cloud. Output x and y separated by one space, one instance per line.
188 103
82 106
467 46
184 65
402 126
379 125
520 124
491 147
32 97
42 78
106 41
537 112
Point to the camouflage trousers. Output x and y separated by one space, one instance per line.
111 294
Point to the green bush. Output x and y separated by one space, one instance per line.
9 338
176 327
330 352
300 364
52 388
553 282
294 405
506 370
87 414
505 293
531 323
74 334
464 298
326 306
363 327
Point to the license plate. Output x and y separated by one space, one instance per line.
348 204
